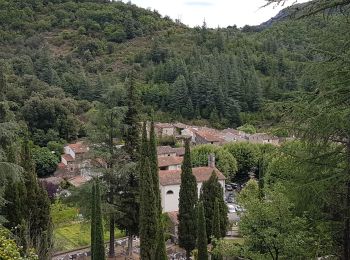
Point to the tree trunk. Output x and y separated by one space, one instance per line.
111 237
130 239
346 239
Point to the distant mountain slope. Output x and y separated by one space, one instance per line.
60 58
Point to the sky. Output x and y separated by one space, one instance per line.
217 13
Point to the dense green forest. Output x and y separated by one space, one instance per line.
66 66
58 57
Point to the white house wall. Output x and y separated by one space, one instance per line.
68 150
170 202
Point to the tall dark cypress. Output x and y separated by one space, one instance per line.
93 219
187 205
210 192
148 214
216 221
161 248
99 248
202 241
37 208
153 158
131 122
154 165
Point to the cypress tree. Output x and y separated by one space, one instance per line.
131 122
202 241
210 192
131 137
216 233
148 214
93 219
99 248
154 166
161 249
37 208
216 221
187 205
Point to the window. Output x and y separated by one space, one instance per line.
169 192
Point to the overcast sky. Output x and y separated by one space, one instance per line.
215 12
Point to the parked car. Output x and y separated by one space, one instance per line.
231 209
230 199
235 185
228 187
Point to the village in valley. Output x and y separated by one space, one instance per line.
78 167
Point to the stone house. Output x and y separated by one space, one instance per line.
262 138
164 129
207 137
170 162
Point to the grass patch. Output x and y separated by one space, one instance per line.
71 231
76 235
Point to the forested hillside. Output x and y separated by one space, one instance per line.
71 69
57 57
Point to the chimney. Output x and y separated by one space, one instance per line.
211 160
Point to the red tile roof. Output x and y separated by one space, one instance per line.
169 160
164 150
180 151
79 147
68 157
208 136
173 177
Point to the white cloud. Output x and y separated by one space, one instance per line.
215 12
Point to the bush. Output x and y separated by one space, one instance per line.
45 161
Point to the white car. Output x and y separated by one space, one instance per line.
231 209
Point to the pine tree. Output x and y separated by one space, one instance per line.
93 219
187 205
98 246
202 241
210 192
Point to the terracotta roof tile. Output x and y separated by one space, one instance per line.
164 150
79 147
169 160
180 151
209 136
68 157
173 177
